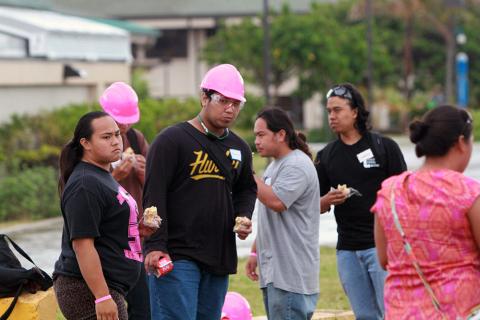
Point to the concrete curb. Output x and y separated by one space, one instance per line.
26 226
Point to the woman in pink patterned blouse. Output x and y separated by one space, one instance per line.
439 211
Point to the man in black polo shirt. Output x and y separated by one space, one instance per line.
199 176
361 160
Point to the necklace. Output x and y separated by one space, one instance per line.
211 134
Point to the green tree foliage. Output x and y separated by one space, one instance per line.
29 194
30 140
411 39
321 48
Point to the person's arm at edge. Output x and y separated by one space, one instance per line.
380 243
324 204
91 269
327 197
395 158
245 188
251 265
143 144
266 196
154 193
474 219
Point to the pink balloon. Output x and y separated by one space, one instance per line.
236 307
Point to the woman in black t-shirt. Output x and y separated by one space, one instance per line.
101 252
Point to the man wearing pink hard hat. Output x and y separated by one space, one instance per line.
199 176
120 101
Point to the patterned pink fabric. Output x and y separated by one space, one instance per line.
432 207
135 252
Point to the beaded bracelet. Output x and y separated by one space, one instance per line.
103 299
253 254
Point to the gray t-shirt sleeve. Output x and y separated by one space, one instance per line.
289 185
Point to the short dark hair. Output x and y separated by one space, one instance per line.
356 102
439 130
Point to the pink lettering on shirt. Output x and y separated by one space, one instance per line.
135 252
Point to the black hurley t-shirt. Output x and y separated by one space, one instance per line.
195 197
95 206
362 166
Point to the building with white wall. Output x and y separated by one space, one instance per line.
49 59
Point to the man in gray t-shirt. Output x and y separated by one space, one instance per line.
286 249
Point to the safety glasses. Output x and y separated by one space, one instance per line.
339 91
226 102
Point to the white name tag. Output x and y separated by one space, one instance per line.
236 154
364 155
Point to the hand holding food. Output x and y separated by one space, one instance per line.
241 222
344 189
151 218
128 154
348 191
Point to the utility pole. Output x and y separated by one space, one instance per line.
369 15
266 53
453 6
450 58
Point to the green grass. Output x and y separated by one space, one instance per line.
331 292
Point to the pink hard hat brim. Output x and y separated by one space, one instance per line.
229 94
126 120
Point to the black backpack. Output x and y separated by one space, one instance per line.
14 279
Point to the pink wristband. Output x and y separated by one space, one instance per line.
103 299
253 254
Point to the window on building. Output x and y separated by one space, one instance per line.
171 44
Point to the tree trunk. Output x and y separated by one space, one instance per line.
408 58
450 61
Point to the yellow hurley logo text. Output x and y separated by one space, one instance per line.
203 168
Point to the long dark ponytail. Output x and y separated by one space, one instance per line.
277 119
72 152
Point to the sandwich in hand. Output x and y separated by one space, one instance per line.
239 222
151 218
344 189
128 154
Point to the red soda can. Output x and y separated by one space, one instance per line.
164 266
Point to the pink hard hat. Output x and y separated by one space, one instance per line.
236 307
226 80
120 101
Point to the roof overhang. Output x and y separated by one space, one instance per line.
53 35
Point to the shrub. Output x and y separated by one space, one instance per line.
476 123
31 193
320 135
36 140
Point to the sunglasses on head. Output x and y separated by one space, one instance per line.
339 91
